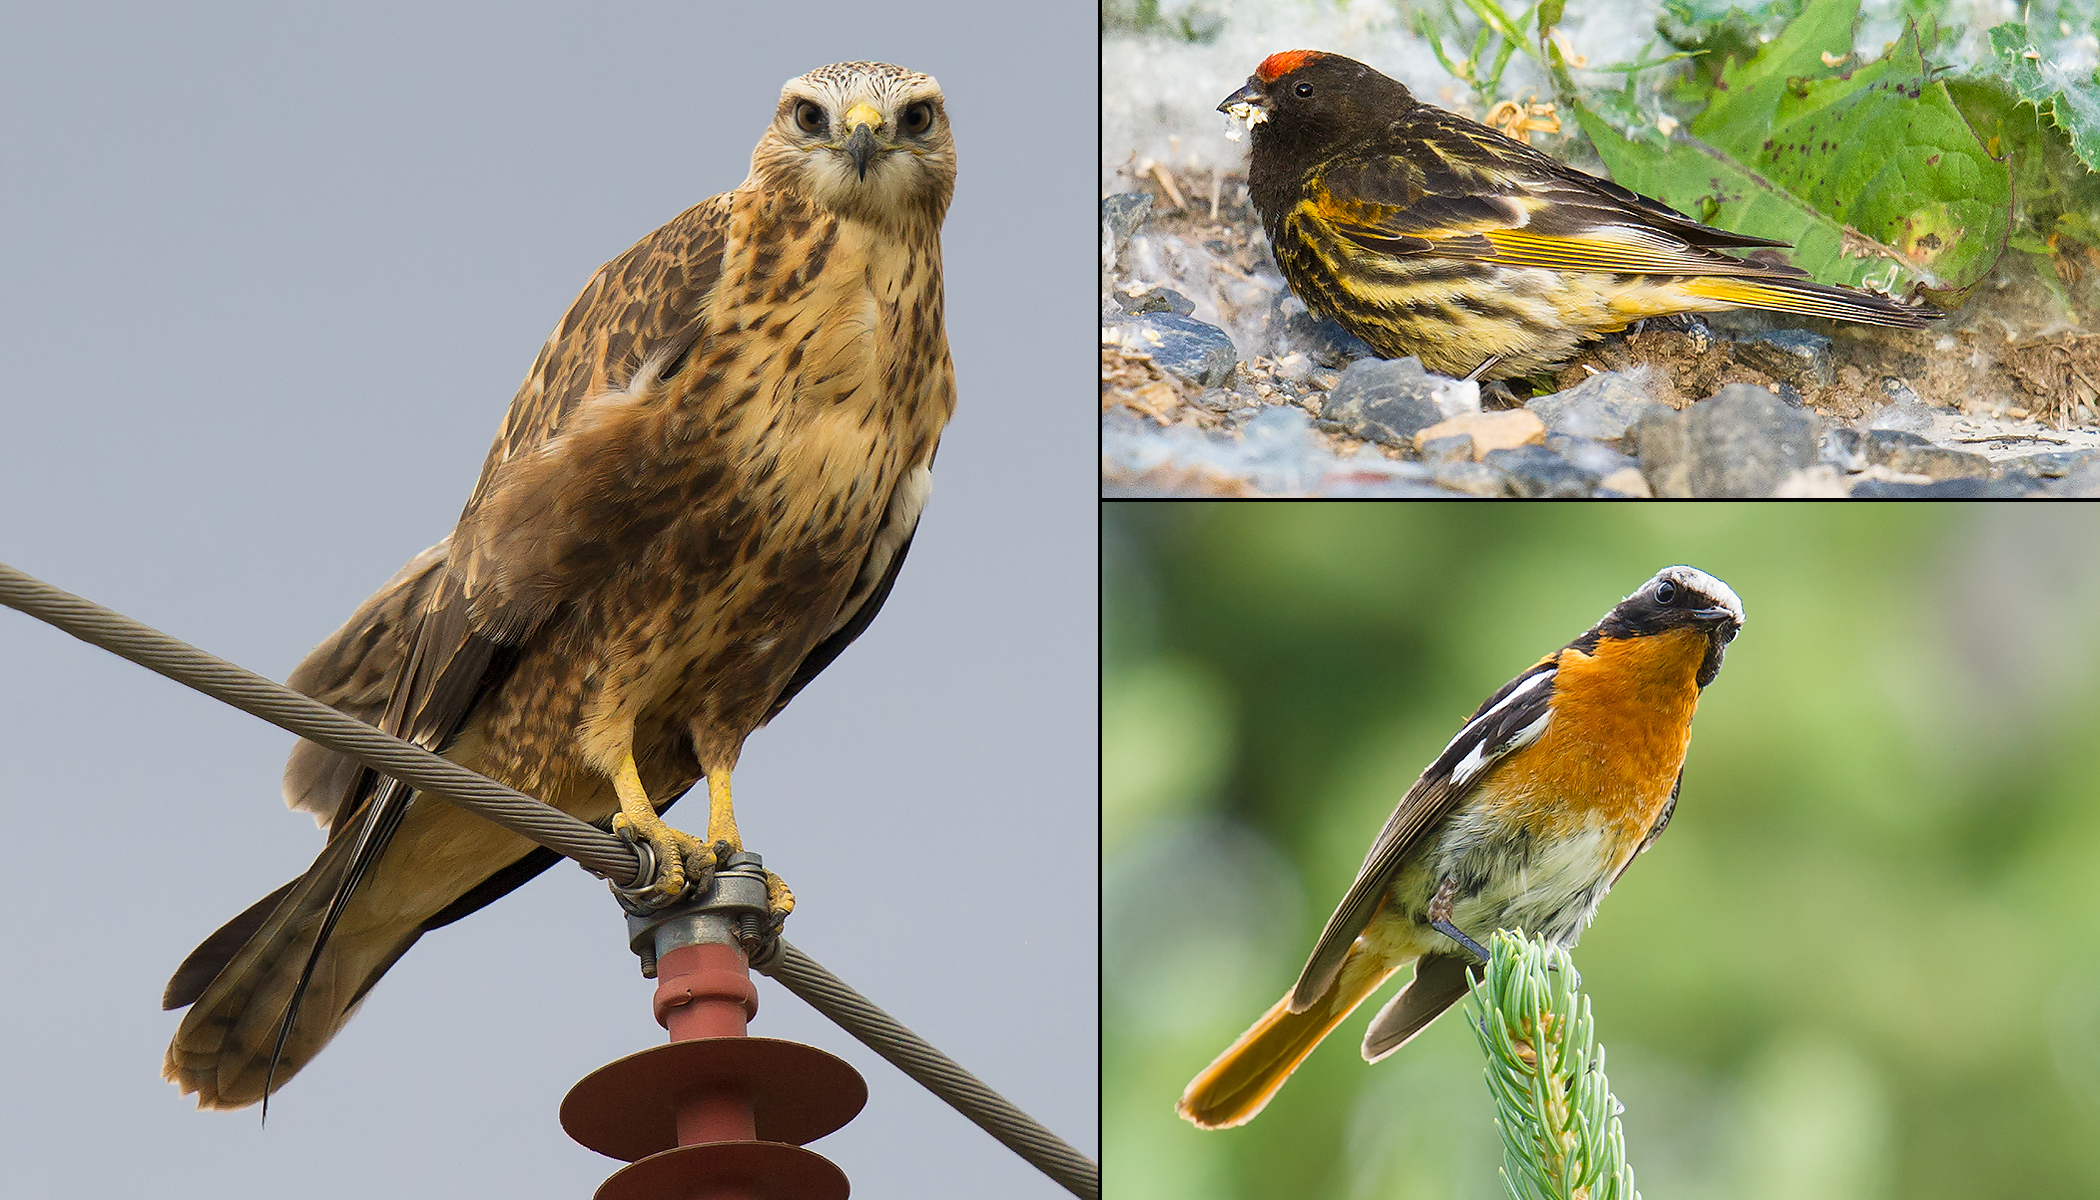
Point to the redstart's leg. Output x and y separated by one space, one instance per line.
1440 919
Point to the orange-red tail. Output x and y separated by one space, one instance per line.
1235 1087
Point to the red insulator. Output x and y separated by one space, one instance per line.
715 1115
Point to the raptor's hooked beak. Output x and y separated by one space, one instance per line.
863 120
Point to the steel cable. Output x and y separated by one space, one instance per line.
550 827
315 721
936 1072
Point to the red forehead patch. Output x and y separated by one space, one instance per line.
1283 63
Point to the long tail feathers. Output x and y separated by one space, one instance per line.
241 989
1809 299
1440 979
382 819
1235 1087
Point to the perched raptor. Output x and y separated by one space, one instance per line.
701 494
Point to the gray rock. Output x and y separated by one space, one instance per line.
1457 448
1663 442
2085 481
1596 457
1911 415
1793 356
2025 483
1159 299
1121 214
1537 471
1899 392
1183 345
1844 448
1949 489
2055 464
1384 400
1939 462
1472 478
1740 442
1603 406
1899 450
1329 344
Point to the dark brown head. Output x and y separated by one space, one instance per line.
1311 102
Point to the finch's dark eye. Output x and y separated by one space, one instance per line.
1666 593
809 118
1303 90
917 118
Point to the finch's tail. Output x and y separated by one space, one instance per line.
1783 294
1235 1087
240 980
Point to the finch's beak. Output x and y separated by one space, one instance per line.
1249 97
1247 107
863 120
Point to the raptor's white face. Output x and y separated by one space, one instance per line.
868 139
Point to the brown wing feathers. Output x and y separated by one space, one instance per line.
415 659
1507 719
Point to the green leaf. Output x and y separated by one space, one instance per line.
1713 187
1869 171
1723 29
1879 148
2072 103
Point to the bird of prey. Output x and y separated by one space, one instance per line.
700 495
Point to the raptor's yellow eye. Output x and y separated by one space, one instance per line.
809 117
918 118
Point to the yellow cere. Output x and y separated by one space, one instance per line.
862 114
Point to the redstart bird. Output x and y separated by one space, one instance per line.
1523 822
1427 234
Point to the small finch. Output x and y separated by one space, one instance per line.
1427 234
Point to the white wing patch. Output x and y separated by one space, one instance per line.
1530 733
1487 747
1470 765
1501 704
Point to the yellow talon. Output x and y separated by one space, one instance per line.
673 848
721 831
680 854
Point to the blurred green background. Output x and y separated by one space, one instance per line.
1863 962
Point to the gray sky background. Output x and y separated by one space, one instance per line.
268 280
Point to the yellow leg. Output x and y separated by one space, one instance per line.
721 821
672 847
721 831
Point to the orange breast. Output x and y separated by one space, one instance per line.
1622 719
